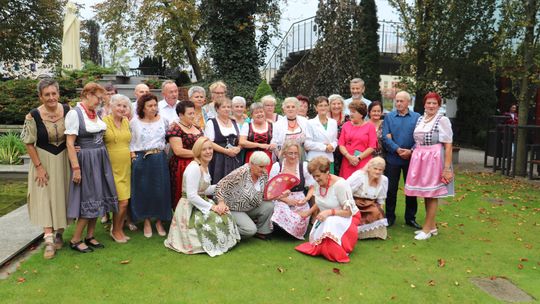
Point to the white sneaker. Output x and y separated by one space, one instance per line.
422 236
433 232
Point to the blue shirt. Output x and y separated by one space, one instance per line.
401 127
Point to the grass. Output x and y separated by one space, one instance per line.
491 228
12 194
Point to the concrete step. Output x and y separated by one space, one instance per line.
16 233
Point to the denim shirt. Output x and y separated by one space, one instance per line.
401 127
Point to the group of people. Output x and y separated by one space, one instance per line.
206 167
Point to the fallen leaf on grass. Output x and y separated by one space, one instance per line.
125 262
392 297
21 280
413 286
431 283
520 266
76 266
456 283
336 270
524 259
281 270
469 271
441 262
292 289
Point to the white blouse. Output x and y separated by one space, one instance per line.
308 179
339 196
317 137
445 128
192 176
147 135
225 131
281 129
360 187
72 123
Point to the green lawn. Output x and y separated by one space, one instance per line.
12 194
491 228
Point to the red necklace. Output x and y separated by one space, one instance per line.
294 126
327 186
90 113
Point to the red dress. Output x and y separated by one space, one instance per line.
177 165
356 139
260 138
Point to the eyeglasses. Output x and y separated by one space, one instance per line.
292 153
218 93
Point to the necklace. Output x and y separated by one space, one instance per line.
90 113
50 115
225 123
428 119
186 126
327 186
294 125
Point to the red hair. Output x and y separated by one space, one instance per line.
434 96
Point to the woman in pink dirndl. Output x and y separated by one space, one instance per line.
335 232
430 171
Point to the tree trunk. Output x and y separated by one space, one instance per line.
525 91
191 52
421 24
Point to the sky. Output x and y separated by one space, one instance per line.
293 11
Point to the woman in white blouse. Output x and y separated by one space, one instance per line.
430 172
199 225
224 133
150 180
92 192
369 187
291 127
321 137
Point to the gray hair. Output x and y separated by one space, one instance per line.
47 82
376 161
239 99
289 100
268 98
256 106
196 89
167 82
116 98
405 94
336 97
259 158
357 80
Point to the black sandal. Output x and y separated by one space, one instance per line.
75 246
264 237
96 245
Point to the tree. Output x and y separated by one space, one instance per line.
262 90
171 29
232 40
518 39
90 41
439 35
368 47
31 30
344 35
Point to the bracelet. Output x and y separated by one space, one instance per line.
76 168
38 165
333 211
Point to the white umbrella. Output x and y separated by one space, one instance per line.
71 49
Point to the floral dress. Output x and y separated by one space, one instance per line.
195 228
177 165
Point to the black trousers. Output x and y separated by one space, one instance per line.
411 205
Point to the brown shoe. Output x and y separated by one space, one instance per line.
58 241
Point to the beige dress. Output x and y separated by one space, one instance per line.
47 205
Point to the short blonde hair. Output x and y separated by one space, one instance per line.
333 97
259 158
289 100
217 84
221 101
198 147
287 145
268 98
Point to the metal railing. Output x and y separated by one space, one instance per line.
303 35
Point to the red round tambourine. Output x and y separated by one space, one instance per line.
279 184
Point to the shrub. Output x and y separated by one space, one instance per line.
262 90
11 149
